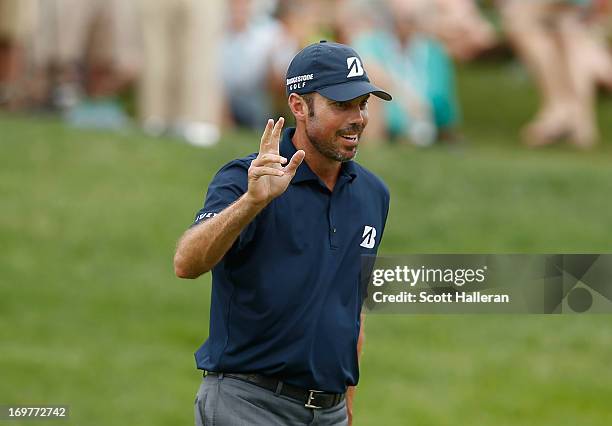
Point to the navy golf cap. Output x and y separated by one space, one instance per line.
331 69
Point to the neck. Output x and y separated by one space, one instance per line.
326 169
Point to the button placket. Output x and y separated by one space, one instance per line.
334 234
333 230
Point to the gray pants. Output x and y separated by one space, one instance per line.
225 401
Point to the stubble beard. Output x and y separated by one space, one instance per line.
326 147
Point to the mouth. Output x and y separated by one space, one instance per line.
353 139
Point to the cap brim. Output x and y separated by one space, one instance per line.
351 90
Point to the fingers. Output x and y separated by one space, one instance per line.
276 133
295 162
271 137
263 165
266 135
257 172
268 159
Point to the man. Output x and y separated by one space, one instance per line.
284 245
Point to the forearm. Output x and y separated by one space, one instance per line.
350 393
204 245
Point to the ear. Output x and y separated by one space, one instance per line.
298 107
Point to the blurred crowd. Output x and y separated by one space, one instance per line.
190 68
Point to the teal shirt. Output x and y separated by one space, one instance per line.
424 65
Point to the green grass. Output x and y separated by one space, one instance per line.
92 316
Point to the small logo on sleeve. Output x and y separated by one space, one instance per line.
203 216
369 237
355 68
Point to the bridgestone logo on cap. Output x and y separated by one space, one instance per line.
355 68
299 79
299 82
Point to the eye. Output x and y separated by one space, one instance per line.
363 104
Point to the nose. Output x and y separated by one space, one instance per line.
359 116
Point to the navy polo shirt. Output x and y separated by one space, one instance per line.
286 297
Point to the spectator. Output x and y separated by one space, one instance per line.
420 72
179 89
300 24
459 25
601 21
90 49
353 17
17 22
246 56
555 41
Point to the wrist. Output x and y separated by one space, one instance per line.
253 204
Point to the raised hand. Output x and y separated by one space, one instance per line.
267 177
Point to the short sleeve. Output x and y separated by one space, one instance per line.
229 184
368 261
386 204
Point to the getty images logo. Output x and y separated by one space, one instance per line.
355 68
369 237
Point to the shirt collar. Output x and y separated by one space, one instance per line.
304 173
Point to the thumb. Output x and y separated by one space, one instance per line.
295 162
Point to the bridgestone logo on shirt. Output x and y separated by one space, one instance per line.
369 237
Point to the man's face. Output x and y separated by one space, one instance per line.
335 128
